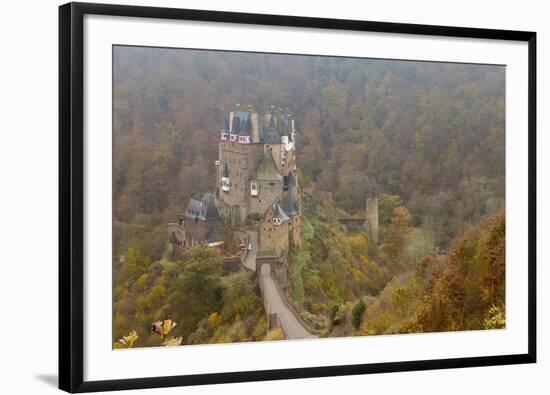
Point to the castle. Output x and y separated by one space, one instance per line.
257 178
256 185
256 189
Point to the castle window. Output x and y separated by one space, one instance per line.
253 188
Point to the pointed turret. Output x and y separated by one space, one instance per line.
224 128
267 169
290 204
279 215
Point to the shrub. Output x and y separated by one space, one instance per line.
357 312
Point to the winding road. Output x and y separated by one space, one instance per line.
276 304
274 299
250 259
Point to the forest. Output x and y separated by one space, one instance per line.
427 139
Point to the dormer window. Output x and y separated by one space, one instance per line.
225 184
254 188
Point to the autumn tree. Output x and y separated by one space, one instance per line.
394 238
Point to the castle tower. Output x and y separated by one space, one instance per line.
372 218
255 153
266 186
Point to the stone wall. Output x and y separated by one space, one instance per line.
296 231
274 236
175 231
279 270
196 230
241 160
268 191
240 235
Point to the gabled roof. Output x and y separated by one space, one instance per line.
271 124
246 126
204 209
242 123
209 206
194 208
267 169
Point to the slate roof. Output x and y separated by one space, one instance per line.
224 123
242 123
271 124
280 121
290 206
204 209
278 211
267 169
268 128
272 137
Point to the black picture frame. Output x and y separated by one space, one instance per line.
71 198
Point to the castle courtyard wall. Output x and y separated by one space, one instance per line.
241 160
196 231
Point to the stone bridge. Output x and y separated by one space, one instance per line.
274 299
353 222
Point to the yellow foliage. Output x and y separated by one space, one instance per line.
126 341
168 326
214 320
141 283
275 334
173 341
163 328
260 329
